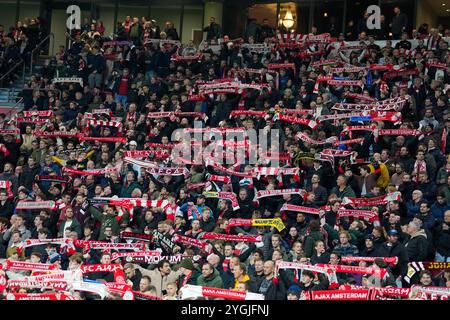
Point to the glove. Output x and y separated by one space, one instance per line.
84 206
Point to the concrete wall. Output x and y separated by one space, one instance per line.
133 11
193 17
213 8
58 26
162 14
28 10
264 11
106 14
8 14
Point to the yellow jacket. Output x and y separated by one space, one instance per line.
384 178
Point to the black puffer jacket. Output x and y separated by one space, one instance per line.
417 246
442 241
396 250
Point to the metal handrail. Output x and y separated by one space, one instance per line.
10 70
58 91
38 47
13 109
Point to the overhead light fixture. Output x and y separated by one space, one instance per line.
325 14
288 21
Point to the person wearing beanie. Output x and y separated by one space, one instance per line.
189 273
369 249
293 292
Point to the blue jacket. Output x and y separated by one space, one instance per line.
184 208
413 209
438 210
429 221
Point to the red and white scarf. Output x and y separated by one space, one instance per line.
291 207
134 202
230 237
6 184
14 132
292 119
115 124
88 172
168 171
444 140
35 113
36 242
31 120
203 245
19 265
381 273
270 193
419 166
30 205
368 202
55 134
145 153
401 73
330 295
103 139
429 293
363 214
330 273
190 291
140 163
349 259
39 296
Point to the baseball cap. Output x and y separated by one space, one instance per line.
179 214
370 237
133 143
392 232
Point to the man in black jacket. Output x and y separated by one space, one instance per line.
267 287
442 239
6 205
399 23
29 173
96 65
133 276
245 205
393 248
416 245
213 30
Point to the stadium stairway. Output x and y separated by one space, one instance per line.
9 96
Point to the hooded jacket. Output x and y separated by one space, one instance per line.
442 241
417 246
396 250
108 220
213 281
310 240
160 282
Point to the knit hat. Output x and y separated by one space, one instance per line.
187 264
294 289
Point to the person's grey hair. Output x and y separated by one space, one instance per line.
128 266
414 225
211 257
138 191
